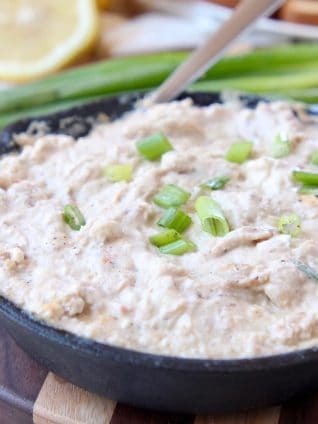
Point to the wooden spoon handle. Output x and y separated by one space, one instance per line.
213 48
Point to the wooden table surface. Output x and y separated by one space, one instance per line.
29 393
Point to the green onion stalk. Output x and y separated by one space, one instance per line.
293 73
179 247
175 219
211 216
154 146
304 177
171 196
165 237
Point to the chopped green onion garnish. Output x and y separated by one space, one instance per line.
211 216
178 247
280 147
309 189
314 158
308 178
73 217
171 196
306 269
153 147
165 237
239 152
175 219
118 172
289 224
216 183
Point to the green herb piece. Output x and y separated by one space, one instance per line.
175 219
117 172
153 147
211 216
289 224
73 217
165 237
308 178
179 247
171 196
216 183
239 152
280 147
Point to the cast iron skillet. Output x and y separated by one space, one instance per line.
145 380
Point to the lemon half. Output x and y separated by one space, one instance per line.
39 37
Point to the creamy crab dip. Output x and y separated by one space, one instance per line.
77 220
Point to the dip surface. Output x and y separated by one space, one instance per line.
236 296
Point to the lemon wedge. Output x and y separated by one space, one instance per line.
39 37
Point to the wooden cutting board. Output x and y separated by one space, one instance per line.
29 394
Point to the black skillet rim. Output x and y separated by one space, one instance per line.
129 356
149 360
